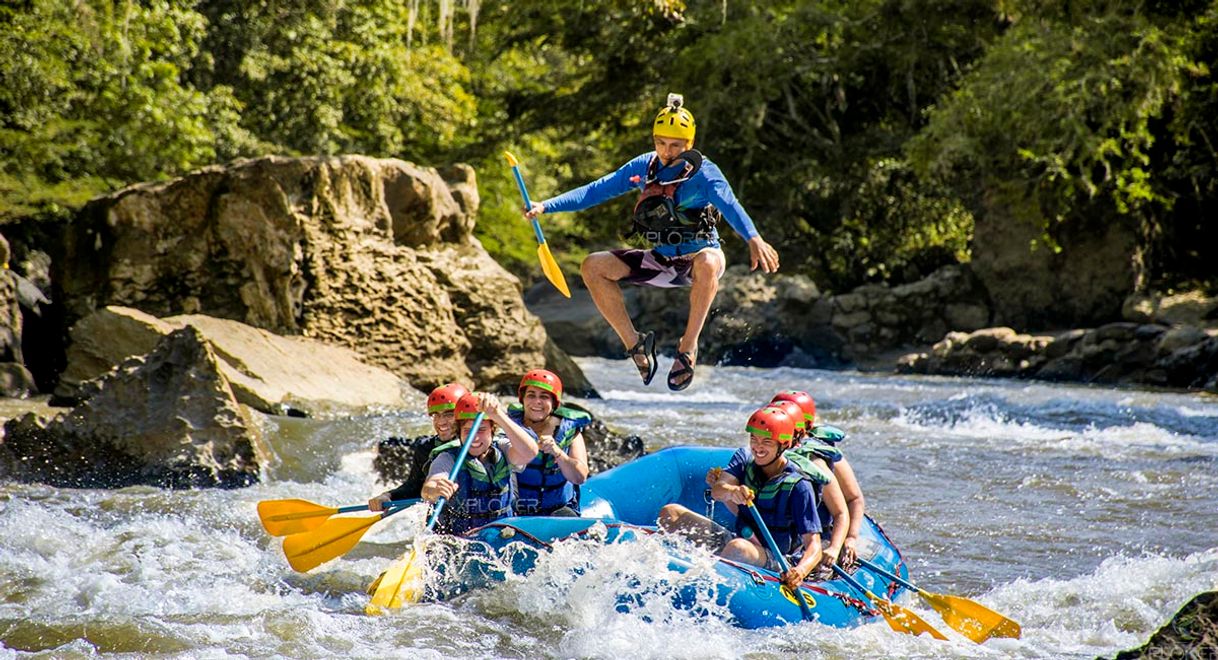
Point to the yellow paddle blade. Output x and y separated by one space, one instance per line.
402 583
903 620
308 550
551 269
286 517
972 619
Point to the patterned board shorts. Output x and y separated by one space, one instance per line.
649 268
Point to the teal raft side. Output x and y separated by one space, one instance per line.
621 504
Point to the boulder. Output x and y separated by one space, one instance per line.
168 419
1191 633
375 255
1097 264
272 374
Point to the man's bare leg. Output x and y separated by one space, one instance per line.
705 275
601 272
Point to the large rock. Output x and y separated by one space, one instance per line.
273 374
374 255
1032 285
168 419
1191 633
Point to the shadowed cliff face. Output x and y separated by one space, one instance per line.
375 255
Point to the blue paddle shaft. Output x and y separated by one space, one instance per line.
452 474
387 505
524 194
778 556
850 580
891 576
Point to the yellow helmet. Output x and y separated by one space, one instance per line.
674 121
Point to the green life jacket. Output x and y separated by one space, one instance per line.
827 434
772 497
483 495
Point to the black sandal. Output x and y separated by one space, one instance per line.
646 347
686 363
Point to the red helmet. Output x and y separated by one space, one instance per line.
445 397
773 423
467 407
792 410
542 380
805 401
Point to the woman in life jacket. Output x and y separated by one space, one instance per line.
442 408
822 439
549 484
485 487
681 196
782 494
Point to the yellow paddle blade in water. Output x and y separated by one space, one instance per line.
286 517
551 269
402 583
972 619
333 539
903 620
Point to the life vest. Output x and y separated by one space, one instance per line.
541 486
656 214
830 435
811 449
483 495
773 501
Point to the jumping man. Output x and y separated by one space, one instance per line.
682 197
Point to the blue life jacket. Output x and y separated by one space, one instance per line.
483 495
542 488
773 501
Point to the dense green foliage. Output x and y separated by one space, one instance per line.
861 135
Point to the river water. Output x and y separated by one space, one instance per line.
1087 514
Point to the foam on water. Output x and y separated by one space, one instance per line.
1084 513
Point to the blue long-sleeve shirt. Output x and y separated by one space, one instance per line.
706 187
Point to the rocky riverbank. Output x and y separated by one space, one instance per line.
939 325
167 316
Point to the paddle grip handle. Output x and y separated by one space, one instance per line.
891 576
778 556
452 474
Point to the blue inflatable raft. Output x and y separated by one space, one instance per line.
622 504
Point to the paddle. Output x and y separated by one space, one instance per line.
548 265
898 618
782 561
401 582
287 517
972 619
334 538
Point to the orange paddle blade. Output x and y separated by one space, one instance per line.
286 517
972 619
551 270
903 620
402 583
333 539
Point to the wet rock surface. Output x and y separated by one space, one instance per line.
1191 633
168 419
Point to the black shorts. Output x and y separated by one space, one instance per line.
650 268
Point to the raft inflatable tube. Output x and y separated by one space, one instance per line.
622 504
